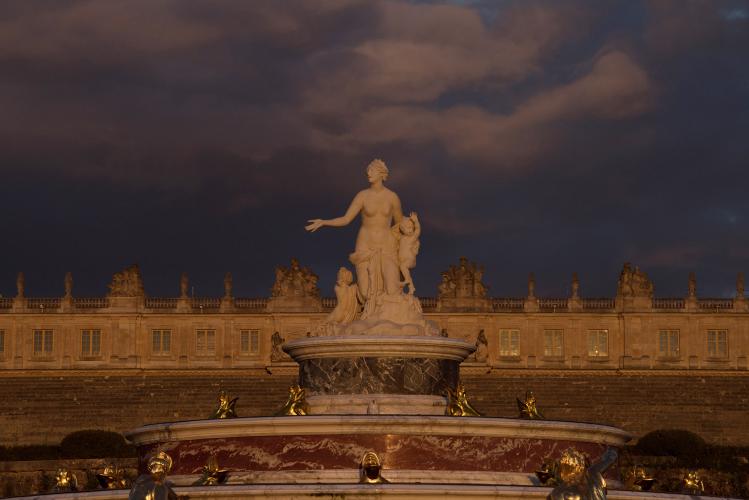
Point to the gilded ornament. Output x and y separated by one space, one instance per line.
212 474
225 407
154 485
693 484
112 478
371 469
295 404
65 481
576 479
528 407
639 480
457 403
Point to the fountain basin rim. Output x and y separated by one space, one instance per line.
312 425
354 346
364 491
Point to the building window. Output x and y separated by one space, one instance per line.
668 343
598 343
717 343
509 343
2 342
248 341
205 341
43 342
553 343
90 342
162 341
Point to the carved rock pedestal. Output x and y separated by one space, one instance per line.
378 375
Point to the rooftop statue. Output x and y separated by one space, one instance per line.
386 247
634 282
295 281
127 283
463 281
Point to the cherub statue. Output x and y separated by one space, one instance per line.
347 295
225 407
295 404
408 232
528 408
457 403
211 474
371 469
65 481
153 485
577 480
112 478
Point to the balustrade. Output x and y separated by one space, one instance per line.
714 304
161 302
598 304
552 304
90 302
251 303
507 304
668 303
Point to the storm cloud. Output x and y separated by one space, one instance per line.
543 136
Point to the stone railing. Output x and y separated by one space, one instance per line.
428 302
90 302
668 303
6 302
161 302
555 305
47 304
203 303
329 303
255 303
507 304
598 304
715 304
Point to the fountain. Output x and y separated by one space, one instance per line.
379 409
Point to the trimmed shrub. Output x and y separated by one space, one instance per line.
95 444
672 442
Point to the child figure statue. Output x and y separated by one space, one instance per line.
408 232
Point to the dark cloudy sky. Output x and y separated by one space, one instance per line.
546 136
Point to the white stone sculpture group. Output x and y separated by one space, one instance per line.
384 251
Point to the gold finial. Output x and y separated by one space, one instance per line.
371 469
457 403
112 478
212 474
65 481
225 407
528 408
296 403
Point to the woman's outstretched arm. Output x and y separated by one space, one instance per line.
353 211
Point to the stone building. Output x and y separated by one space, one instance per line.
634 360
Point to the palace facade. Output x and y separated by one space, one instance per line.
635 361
128 330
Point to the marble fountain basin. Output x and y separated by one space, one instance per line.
364 492
413 449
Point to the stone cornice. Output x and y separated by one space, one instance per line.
378 347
